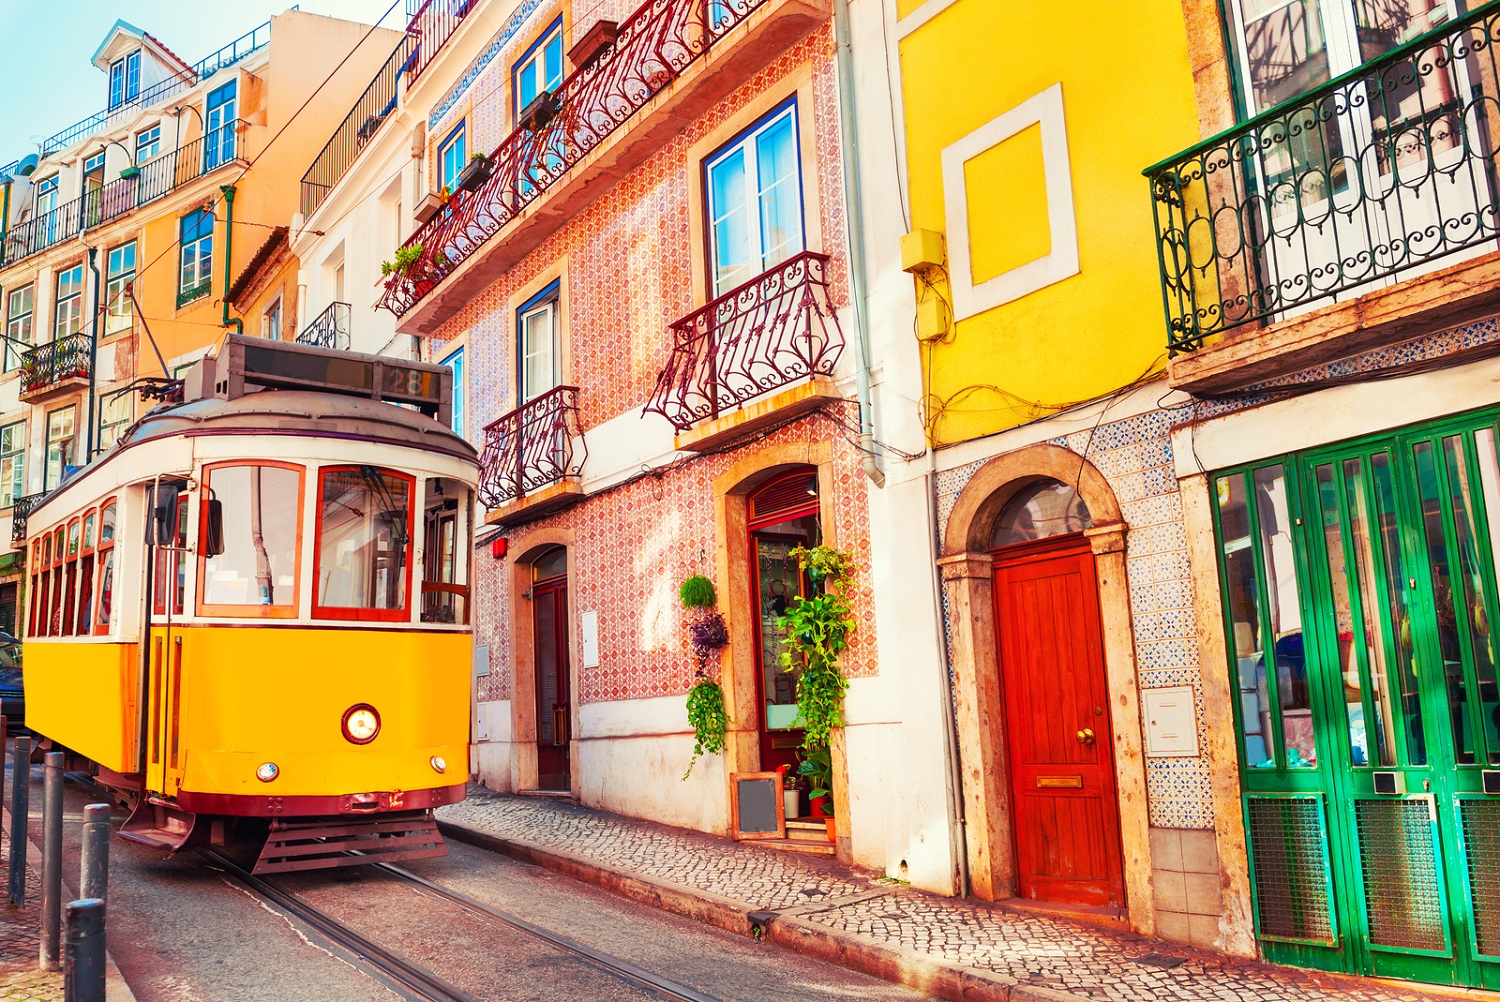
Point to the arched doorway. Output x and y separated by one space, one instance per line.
782 514
550 646
1057 736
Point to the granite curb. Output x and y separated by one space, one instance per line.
115 987
782 928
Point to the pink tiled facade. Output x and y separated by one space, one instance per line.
628 277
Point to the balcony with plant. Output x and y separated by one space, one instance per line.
55 367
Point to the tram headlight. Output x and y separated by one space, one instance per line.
267 771
361 723
438 763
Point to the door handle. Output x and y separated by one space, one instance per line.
1086 736
559 726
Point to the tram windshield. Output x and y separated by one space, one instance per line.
260 509
364 543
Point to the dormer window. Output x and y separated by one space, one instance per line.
124 79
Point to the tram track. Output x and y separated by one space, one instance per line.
414 980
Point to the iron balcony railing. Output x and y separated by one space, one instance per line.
19 509
431 26
768 333
653 47
531 447
330 329
373 107
48 364
227 56
154 179
1379 171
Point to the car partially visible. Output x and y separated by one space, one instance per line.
12 692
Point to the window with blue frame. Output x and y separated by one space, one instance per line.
540 68
455 362
196 256
124 79
537 330
754 200
219 135
453 156
147 144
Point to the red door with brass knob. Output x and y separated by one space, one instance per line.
1065 817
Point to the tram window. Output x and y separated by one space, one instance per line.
445 569
170 573
105 564
255 571
364 543
70 592
54 612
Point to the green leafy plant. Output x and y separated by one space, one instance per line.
817 766
477 156
705 706
697 592
817 629
406 258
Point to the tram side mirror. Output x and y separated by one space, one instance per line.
163 529
213 533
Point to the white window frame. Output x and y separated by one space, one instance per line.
201 276
120 311
147 144
546 306
19 323
744 144
114 417
56 443
124 80
271 319
12 462
67 318
534 60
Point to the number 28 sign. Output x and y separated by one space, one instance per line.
410 383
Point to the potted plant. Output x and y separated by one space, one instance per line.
542 109
478 171
705 703
817 767
791 792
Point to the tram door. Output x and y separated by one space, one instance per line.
164 681
549 611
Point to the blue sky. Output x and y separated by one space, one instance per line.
47 84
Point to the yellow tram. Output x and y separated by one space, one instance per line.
254 612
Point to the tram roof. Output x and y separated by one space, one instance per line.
300 412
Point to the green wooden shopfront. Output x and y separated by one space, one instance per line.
1359 592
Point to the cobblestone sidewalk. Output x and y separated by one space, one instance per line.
1008 946
20 936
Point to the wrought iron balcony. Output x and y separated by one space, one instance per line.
48 366
530 448
1351 185
430 28
154 179
766 334
652 49
19 509
373 107
230 54
330 329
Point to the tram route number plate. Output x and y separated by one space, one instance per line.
402 382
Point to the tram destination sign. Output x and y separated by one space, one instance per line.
246 364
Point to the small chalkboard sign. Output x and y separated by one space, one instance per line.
755 805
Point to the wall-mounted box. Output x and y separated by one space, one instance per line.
922 249
1171 722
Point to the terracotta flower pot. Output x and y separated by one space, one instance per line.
815 807
831 825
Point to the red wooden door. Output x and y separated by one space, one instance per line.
1057 730
549 603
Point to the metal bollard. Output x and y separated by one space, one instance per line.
94 877
4 733
83 969
20 807
52 808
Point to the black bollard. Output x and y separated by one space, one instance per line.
83 969
94 877
52 808
20 807
4 733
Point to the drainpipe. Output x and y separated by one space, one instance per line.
228 190
950 730
88 448
854 212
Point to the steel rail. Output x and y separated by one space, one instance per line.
622 969
393 970
389 968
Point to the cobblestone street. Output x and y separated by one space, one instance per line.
20 980
1007 946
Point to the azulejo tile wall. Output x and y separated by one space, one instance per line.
628 277
1135 456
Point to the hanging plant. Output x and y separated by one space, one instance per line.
817 631
707 634
705 706
697 592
